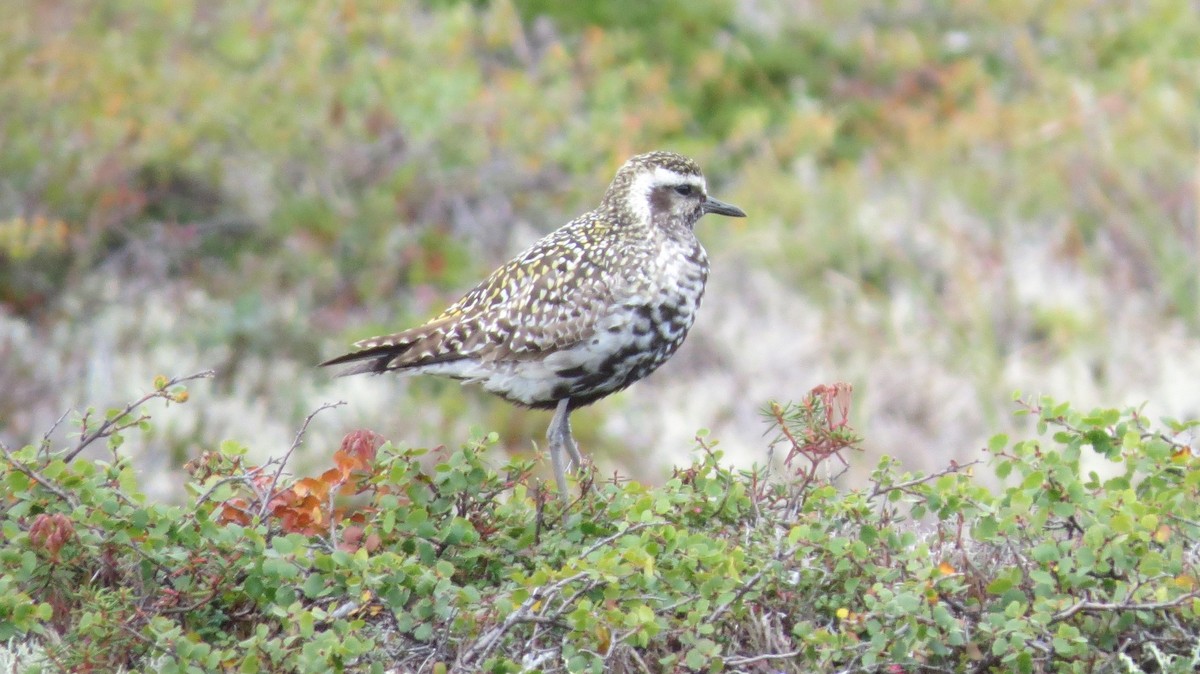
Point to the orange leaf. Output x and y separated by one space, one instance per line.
308 486
346 464
331 477
233 513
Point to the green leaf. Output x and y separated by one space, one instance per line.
997 443
314 586
1004 469
999 586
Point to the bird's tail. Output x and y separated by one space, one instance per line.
371 360
402 351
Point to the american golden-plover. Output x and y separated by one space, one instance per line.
586 311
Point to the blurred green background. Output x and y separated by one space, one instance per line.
948 200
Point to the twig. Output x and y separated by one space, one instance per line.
1102 607
746 587
45 447
609 539
487 643
108 426
266 500
737 596
953 468
246 477
1177 518
344 610
637 658
33 475
762 658
535 663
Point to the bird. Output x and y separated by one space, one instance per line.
583 313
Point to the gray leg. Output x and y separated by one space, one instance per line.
560 427
568 441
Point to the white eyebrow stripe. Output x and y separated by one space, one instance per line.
639 191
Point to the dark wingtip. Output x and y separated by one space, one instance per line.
378 366
342 359
377 360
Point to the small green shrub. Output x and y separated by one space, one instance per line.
439 561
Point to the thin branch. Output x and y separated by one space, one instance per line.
762 658
948 470
609 539
638 659
110 425
36 477
487 643
1117 607
534 664
45 446
247 477
266 500
746 587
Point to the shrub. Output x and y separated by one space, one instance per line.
438 561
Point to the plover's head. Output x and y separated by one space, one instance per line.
663 189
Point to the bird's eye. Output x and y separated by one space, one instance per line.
684 190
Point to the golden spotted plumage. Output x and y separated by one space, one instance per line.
584 312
